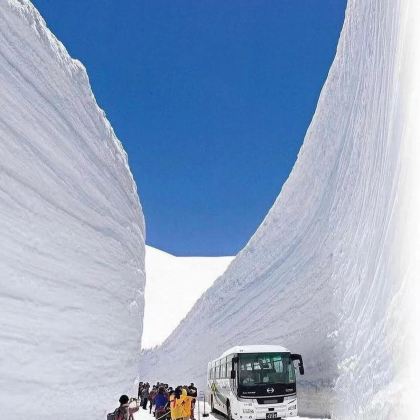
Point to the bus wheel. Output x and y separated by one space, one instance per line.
212 404
228 410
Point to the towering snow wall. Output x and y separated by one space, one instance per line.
72 235
333 270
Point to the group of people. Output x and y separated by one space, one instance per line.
168 402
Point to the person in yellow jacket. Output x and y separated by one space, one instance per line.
187 404
180 404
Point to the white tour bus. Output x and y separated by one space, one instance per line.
254 382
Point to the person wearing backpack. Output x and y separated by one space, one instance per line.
161 402
124 411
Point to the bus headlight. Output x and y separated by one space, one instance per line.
292 407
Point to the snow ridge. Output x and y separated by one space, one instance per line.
173 286
331 272
72 234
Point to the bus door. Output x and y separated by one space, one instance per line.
233 372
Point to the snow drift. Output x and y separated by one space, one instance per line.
332 272
72 235
173 286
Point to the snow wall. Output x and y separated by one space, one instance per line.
332 272
72 235
173 286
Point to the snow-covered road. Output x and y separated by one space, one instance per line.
144 415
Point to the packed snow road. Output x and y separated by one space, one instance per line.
144 415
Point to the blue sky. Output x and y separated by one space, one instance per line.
211 100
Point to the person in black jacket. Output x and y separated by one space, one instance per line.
140 389
192 392
145 396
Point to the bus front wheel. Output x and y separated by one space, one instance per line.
212 404
228 410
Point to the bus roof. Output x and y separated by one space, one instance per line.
256 348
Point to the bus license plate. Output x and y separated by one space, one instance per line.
271 415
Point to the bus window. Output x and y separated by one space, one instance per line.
266 368
291 372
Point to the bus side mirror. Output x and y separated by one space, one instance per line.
298 357
232 374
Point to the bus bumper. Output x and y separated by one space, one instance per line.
251 410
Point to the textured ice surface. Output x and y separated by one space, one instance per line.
333 270
173 286
71 235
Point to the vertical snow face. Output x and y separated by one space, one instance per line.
333 270
173 286
72 235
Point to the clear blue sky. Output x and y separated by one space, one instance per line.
211 100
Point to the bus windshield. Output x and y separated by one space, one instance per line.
266 368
